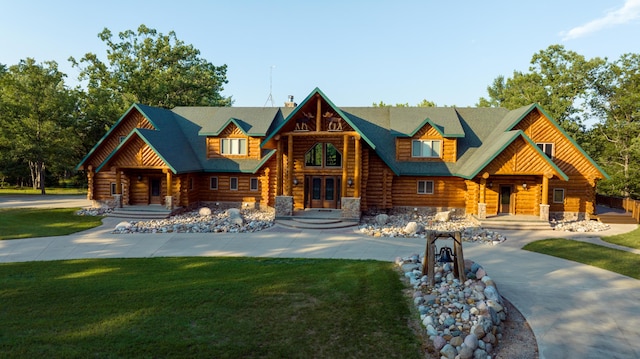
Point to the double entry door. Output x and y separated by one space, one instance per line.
322 191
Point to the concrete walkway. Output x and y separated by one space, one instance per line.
575 311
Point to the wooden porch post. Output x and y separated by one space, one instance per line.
483 187
279 167
545 189
345 160
168 182
90 175
290 167
356 175
118 181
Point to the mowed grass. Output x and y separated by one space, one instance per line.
630 239
614 260
31 191
32 222
205 308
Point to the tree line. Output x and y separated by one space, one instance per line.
46 126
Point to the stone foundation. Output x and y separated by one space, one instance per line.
570 216
544 212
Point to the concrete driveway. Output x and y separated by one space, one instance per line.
575 311
46 201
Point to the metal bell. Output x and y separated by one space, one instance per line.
446 255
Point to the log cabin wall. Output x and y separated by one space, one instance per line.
378 187
580 189
448 150
448 192
133 120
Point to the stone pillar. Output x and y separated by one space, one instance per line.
284 206
168 202
482 210
117 199
544 212
351 208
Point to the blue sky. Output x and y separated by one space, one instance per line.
357 52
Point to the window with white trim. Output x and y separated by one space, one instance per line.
253 184
426 148
233 146
425 187
547 148
213 183
113 188
558 195
233 183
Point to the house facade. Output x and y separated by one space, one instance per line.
478 161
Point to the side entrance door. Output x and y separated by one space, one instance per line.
154 191
322 191
505 200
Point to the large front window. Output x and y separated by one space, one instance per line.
233 146
323 154
425 148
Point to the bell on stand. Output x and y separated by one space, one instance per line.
445 255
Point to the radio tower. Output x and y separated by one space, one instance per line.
270 98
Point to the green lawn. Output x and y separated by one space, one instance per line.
631 239
205 308
31 222
613 260
31 191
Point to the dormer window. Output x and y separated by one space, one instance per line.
547 148
426 148
233 146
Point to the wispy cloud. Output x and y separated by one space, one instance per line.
628 12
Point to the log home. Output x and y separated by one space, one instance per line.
478 161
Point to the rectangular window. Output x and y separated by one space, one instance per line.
233 146
425 148
190 183
558 195
113 188
213 183
233 183
547 148
253 184
425 187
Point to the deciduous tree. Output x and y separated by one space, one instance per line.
37 117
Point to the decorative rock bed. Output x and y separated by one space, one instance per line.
462 320
204 220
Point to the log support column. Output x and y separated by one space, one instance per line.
358 168
117 197
544 203
345 170
90 175
290 166
168 199
279 159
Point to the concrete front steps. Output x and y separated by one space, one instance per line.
517 222
318 219
141 212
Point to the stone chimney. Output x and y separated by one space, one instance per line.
290 103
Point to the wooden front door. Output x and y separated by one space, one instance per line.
322 191
505 200
154 191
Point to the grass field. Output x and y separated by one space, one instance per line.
204 308
31 191
31 222
613 260
631 239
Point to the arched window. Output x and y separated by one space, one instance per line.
323 154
